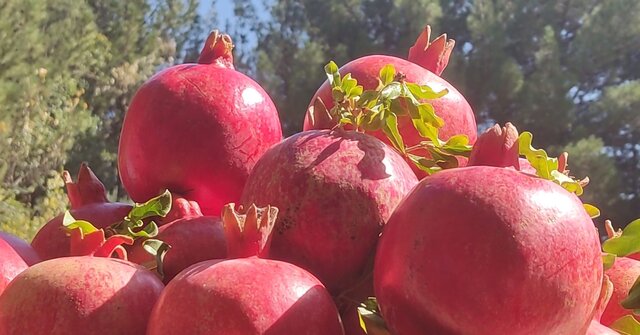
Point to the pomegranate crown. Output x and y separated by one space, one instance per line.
87 190
248 232
87 240
503 146
434 55
379 109
218 50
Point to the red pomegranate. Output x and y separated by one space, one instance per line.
425 63
89 202
250 295
81 294
192 236
197 130
335 190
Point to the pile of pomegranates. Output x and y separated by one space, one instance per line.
387 215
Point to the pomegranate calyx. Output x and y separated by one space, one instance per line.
218 50
181 208
248 232
431 55
87 240
87 190
379 109
498 146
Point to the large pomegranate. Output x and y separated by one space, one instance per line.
197 130
335 190
488 250
425 63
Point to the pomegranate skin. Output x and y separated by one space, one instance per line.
197 130
622 274
453 108
51 241
245 296
11 264
485 250
335 190
79 295
596 328
192 240
21 247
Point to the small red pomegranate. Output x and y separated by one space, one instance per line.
21 247
425 63
242 296
197 130
193 238
15 257
89 202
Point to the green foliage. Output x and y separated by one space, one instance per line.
67 72
562 70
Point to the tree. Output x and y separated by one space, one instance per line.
144 36
553 68
67 72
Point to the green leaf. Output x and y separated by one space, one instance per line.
69 222
626 325
627 243
390 128
391 91
387 74
546 167
158 249
425 92
158 206
608 260
150 230
331 69
632 301
457 141
592 210
337 94
370 319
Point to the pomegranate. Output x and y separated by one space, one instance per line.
245 295
193 238
89 202
197 130
81 294
335 191
596 328
21 247
623 274
488 250
425 63
12 261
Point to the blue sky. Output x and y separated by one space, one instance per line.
223 8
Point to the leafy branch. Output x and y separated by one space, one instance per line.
553 169
380 110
